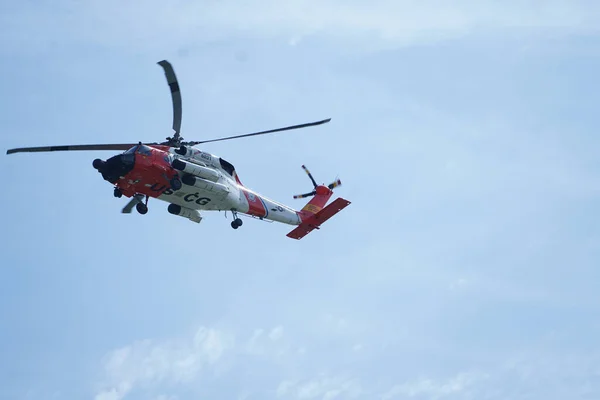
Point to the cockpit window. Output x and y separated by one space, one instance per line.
145 150
131 150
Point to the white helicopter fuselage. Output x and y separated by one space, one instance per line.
216 187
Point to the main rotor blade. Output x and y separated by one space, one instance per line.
123 146
175 95
287 128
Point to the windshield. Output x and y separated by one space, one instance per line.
145 150
132 150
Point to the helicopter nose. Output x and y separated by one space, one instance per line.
115 167
98 164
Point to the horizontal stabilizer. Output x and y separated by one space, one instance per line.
314 221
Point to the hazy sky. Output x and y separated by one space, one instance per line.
465 135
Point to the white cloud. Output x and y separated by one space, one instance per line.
254 345
322 387
115 393
185 361
332 394
431 389
212 343
163 24
335 323
267 344
309 390
285 387
276 333
458 284
148 362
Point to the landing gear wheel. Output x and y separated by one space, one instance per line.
118 193
236 223
176 184
141 208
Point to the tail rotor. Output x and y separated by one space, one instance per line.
332 185
316 211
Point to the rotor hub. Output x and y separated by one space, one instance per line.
322 190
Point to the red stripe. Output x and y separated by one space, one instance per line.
256 206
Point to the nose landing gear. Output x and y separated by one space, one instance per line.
142 208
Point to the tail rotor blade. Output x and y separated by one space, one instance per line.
309 175
334 184
301 196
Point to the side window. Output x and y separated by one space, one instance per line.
227 166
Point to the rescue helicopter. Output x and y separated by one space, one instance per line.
192 180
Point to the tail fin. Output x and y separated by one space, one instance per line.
316 204
314 213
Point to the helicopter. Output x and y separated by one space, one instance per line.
192 180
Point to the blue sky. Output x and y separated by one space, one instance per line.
465 135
